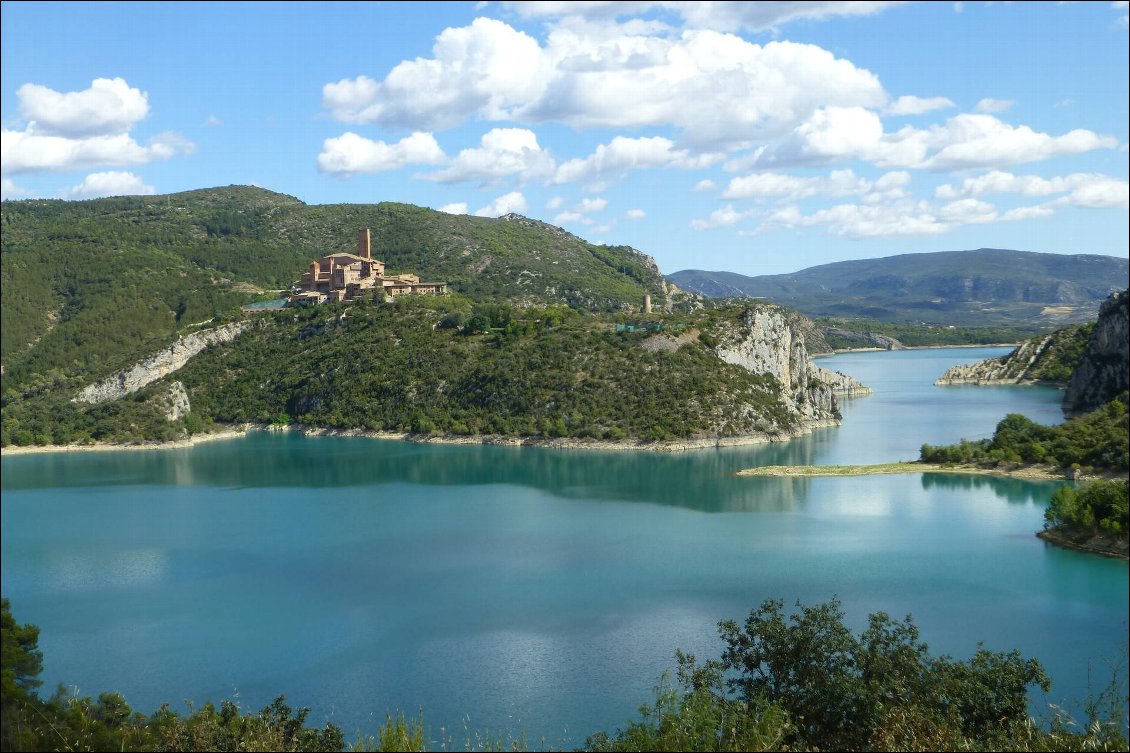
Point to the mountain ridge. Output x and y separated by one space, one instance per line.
980 286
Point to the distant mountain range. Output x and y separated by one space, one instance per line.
985 286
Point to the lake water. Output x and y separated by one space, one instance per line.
530 591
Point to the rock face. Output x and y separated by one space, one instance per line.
1013 368
157 366
842 384
770 341
173 402
1102 374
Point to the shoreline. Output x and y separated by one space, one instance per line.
1033 473
566 443
874 349
1053 537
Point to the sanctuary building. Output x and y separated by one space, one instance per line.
343 277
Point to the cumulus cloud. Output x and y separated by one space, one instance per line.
459 207
911 105
568 217
635 214
724 217
623 154
503 152
555 203
109 106
27 151
9 189
715 88
983 141
963 142
837 184
350 154
505 204
112 183
1084 189
706 184
862 220
988 104
486 69
82 130
726 16
592 205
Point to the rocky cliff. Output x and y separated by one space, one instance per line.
1102 372
769 340
842 384
159 365
1048 359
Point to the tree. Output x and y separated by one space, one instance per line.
22 660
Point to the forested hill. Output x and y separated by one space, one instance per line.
986 286
91 286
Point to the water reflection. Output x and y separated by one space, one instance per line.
1014 490
701 480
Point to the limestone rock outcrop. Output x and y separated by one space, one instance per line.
770 341
159 365
842 384
1013 368
1102 373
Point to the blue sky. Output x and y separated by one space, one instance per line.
759 138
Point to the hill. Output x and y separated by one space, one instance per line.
92 286
983 287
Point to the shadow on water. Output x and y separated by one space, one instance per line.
701 480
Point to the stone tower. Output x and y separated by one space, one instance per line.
364 244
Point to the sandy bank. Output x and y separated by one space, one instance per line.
1032 472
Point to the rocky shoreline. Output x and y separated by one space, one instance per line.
567 443
1107 546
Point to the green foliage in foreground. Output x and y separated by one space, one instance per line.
783 682
1099 439
1098 508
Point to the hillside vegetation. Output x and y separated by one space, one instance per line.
976 288
90 286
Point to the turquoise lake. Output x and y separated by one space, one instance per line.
531 591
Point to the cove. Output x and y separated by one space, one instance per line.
537 592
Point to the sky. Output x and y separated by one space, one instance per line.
759 138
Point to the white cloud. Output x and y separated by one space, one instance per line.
9 189
503 152
459 207
724 217
726 16
212 120
486 70
903 218
968 212
112 183
706 184
837 184
988 104
505 204
592 205
350 154
109 106
567 217
555 203
635 214
623 154
964 142
911 105
27 151
82 130
983 141
715 88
